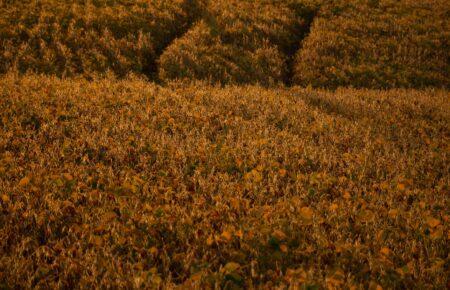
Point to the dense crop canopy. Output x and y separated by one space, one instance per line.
377 44
239 42
126 184
89 37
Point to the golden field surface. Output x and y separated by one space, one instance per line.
128 184
82 37
377 44
323 43
240 42
224 144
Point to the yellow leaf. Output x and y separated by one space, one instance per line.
129 188
226 235
347 195
154 251
257 177
138 282
333 207
24 181
231 267
210 240
306 213
432 222
393 213
147 208
284 248
437 233
197 276
100 229
67 177
282 172
121 240
384 185
379 235
96 240
401 186
240 234
385 251
5 198
279 235
235 203
400 271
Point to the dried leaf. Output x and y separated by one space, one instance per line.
433 222
226 235
5 198
231 267
24 181
279 235
347 195
306 213
210 240
385 251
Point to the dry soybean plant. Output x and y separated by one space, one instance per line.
121 184
377 44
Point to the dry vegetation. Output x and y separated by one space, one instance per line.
359 43
122 183
201 55
239 42
85 37
377 44
109 181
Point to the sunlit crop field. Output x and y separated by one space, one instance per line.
324 43
224 144
124 183
240 42
377 44
89 38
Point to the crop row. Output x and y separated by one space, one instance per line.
240 42
377 44
75 37
370 43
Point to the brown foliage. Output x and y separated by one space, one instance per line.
201 54
377 44
69 38
128 184
370 43
239 42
